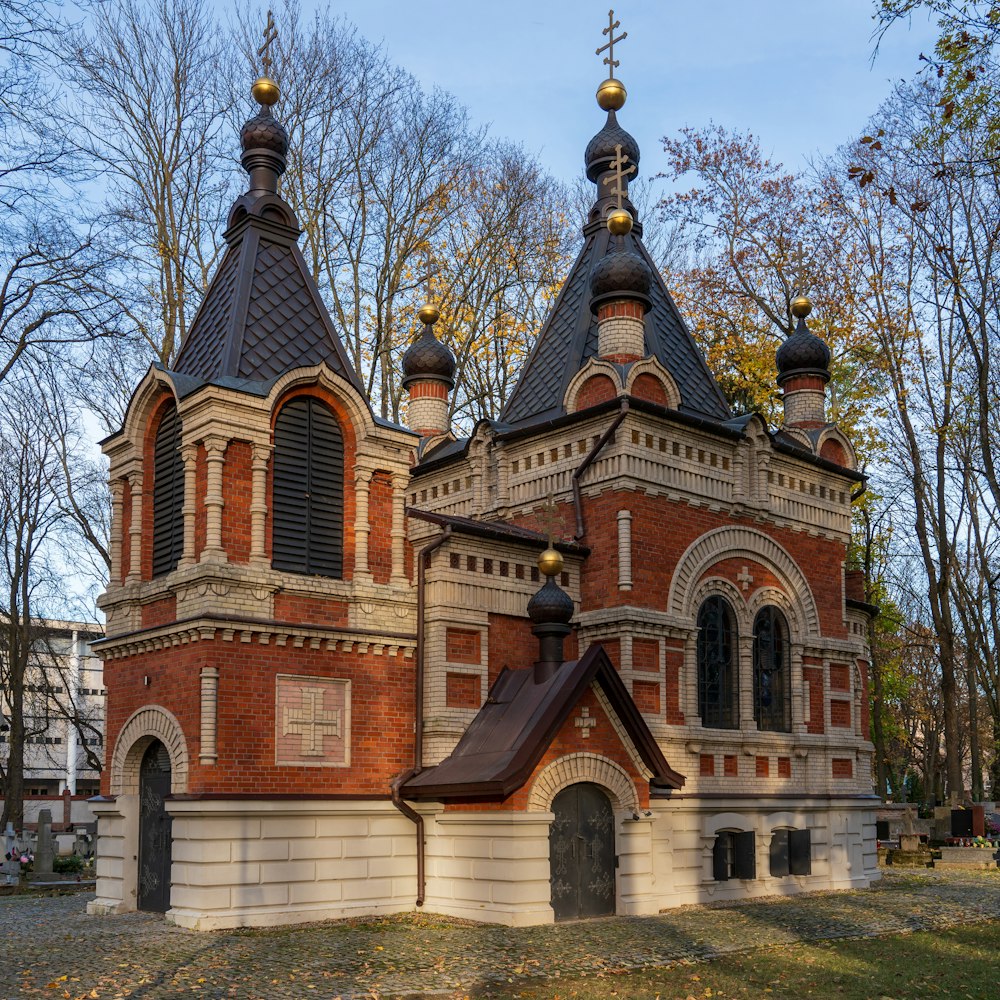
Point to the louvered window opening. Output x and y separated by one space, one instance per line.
717 669
308 496
771 707
168 494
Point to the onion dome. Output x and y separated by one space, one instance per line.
427 357
601 149
264 131
622 272
803 353
551 605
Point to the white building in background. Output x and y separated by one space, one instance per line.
64 700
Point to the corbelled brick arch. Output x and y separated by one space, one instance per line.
151 722
593 368
735 542
579 767
652 369
339 387
765 596
146 398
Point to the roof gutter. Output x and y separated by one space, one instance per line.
418 714
581 528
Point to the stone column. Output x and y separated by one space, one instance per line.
797 683
624 550
215 449
135 530
189 455
399 484
258 505
117 509
362 482
209 701
744 677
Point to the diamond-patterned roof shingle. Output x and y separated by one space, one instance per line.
568 338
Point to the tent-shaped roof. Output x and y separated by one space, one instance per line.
520 718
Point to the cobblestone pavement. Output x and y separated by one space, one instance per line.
52 948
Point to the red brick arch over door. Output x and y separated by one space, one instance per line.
734 542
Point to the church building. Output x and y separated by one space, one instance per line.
603 656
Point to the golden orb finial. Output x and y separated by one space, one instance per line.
550 562
620 222
429 314
265 91
611 94
801 306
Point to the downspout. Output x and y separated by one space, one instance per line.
418 716
581 529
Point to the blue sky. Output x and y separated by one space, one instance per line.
797 73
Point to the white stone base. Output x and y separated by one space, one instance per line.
269 863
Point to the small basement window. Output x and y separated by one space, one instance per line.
733 855
791 853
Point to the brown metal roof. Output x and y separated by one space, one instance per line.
499 531
521 717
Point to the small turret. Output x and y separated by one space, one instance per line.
551 609
429 375
803 372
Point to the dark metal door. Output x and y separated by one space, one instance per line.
582 853
154 830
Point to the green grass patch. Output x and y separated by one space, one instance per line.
955 962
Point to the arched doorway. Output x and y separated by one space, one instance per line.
582 853
153 891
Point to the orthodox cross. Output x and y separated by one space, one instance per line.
429 271
621 172
797 260
270 34
311 722
609 60
745 578
550 518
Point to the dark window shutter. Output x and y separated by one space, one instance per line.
779 853
746 862
168 494
308 493
800 852
720 858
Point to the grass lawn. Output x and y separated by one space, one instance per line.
960 962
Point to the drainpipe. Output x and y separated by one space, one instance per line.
418 716
581 529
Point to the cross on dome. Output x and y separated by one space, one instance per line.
609 59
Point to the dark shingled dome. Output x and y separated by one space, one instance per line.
264 132
427 357
601 149
621 271
803 353
550 605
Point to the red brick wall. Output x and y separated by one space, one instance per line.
784 767
160 612
381 713
613 647
813 677
648 386
463 646
646 655
840 677
706 765
299 609
763 767
646 696
840 713
461 690
842 767
595 390
512 644
237 489
662 530
729 767
865 706
380 521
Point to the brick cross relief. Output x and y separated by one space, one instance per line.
584 722
311 722
745 578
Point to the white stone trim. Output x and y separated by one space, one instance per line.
578 767
151 722
723 543
651 366
834 433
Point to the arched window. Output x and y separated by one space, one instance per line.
168 493
717 701
308 495
770 671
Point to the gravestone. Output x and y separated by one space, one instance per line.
11 857
44 849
